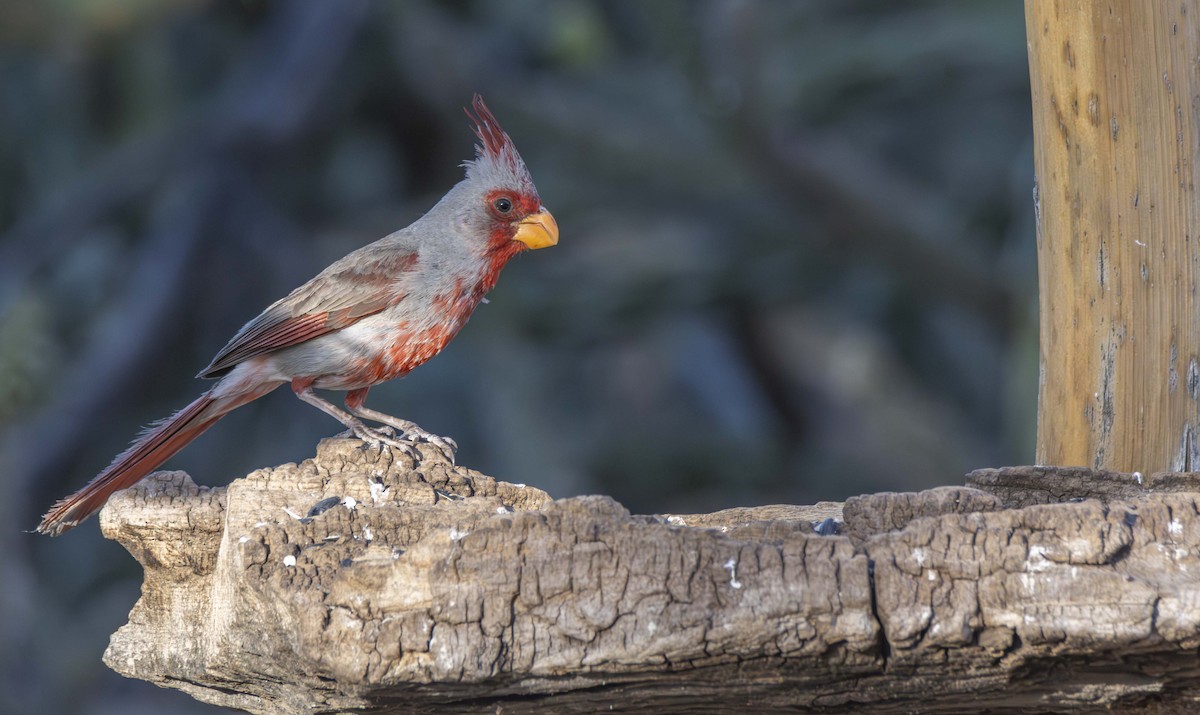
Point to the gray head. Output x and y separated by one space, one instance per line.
501 198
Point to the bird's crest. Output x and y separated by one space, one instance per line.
495 154
495 140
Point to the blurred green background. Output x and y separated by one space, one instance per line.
797 257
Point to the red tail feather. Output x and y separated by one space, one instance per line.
157 445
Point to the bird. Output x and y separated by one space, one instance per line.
370 317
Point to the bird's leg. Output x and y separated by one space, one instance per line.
410 430
303 389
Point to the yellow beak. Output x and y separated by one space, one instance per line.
537 231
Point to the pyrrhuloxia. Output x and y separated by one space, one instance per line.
370 317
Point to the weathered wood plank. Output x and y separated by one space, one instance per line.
442 590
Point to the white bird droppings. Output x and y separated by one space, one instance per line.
731 566
377 490
1037 560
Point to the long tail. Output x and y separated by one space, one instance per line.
156 445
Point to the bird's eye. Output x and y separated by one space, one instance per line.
503 204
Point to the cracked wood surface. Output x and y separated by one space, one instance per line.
354 583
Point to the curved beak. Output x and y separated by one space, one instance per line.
538 230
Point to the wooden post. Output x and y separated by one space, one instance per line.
1116 116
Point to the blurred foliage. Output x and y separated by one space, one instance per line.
797 256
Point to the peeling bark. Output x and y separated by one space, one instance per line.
354 583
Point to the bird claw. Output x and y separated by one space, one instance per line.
447 446
384 431
410 434
408 448
383 437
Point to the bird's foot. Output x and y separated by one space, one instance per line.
445 445
412 433
408 430
378 437
348 433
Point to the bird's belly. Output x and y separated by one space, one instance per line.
365 354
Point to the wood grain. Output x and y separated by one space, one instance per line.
1116 94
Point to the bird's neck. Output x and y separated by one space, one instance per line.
498 254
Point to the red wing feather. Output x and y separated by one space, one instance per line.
268 335
347 296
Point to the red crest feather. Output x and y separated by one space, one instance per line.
494 139
497 163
